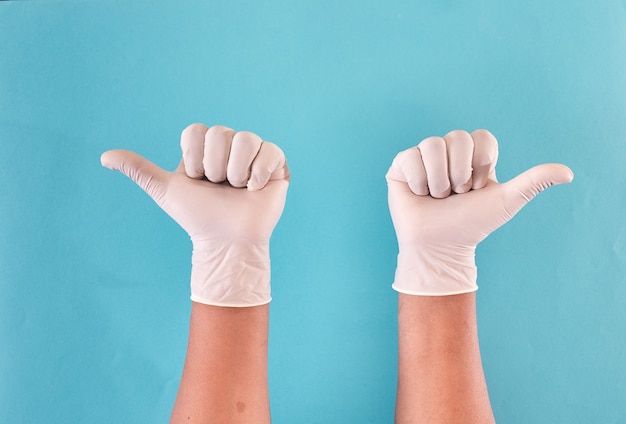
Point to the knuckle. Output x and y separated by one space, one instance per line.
247 138
433 142
484 136
457 135
217 129
195 128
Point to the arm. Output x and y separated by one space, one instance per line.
444 199
228 194
440 374
225 375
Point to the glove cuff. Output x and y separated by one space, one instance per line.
233 273
432 271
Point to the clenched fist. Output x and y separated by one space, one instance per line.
444 199
228 194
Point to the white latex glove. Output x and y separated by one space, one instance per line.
444 199
230 226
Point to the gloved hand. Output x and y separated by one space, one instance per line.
229 226
444 199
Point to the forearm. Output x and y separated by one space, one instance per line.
225 375
441 379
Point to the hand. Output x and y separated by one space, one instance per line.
444 199
229 225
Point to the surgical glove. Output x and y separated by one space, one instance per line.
444 199
228 194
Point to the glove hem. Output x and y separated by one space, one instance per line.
227 304
419 293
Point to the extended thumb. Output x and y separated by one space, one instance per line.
146 174
523 188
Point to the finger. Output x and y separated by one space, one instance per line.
460 148
243 150
408 167
270 159
434 157
217 144
485 158
281 173
192 146
147 175
523 188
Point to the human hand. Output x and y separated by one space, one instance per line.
444 199
230 226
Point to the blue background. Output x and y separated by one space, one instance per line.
94 277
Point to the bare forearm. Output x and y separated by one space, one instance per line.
225 375
441 379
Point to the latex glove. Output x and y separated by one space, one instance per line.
228 194
444 199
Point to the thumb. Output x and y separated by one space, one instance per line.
146 174
523 188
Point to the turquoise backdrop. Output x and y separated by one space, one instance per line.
94 277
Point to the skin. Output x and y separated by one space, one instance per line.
225 374
441 378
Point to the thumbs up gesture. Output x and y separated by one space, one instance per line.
228 193
444 199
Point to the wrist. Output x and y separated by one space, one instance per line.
232 273
428 270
